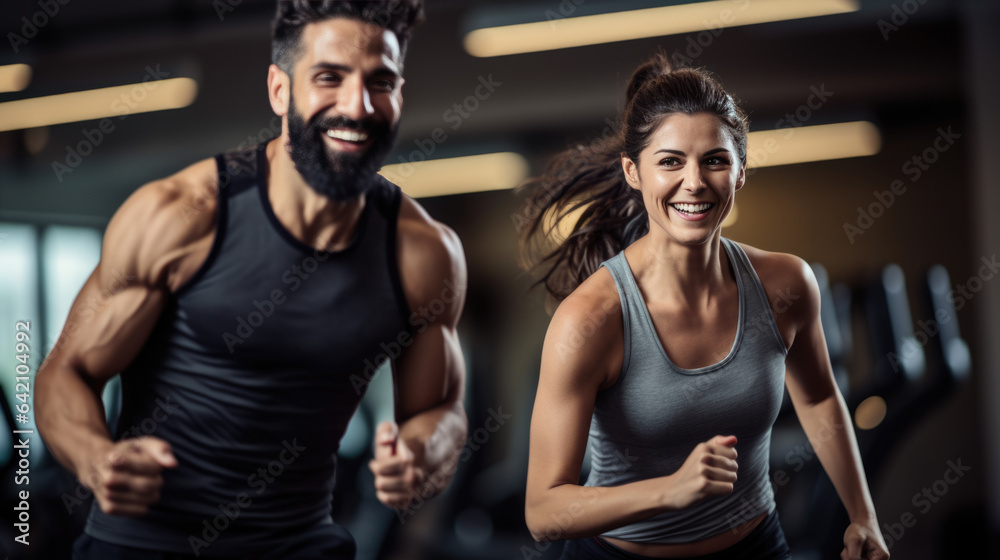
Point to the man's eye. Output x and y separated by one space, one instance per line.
328 77
384 85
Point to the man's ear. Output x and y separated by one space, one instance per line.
279 89
631 171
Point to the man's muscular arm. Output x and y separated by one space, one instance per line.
430 373
147 247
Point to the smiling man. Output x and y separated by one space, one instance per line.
250 314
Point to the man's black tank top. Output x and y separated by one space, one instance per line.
254 370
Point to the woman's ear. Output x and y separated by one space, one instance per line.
631 171
279 88
742 178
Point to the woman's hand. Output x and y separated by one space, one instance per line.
863 541
710 470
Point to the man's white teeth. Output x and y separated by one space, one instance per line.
693 208
347 135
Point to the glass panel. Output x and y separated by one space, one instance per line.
18 302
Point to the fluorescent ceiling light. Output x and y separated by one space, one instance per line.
117 101
14 77
786 146
639 24
437 177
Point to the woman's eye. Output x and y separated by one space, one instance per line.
717 161
670 161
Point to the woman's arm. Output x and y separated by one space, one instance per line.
582 354
825 419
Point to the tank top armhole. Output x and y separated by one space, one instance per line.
735 249
610 264
395 199
221 215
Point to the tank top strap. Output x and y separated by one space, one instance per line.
760 319
240 169
628 294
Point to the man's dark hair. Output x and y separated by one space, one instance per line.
398 16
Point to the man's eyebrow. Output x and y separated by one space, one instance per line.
381 71
330 66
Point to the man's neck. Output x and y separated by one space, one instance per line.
314 219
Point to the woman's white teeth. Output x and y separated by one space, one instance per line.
347 135
693 208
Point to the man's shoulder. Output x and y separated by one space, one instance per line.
420 234
431 256
161 220
195 185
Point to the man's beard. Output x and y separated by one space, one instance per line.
337 175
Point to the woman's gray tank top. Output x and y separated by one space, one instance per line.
647 424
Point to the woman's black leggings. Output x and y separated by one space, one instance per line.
765 542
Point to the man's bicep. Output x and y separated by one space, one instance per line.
430 372
120 302
106 326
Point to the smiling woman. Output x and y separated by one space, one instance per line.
665 375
